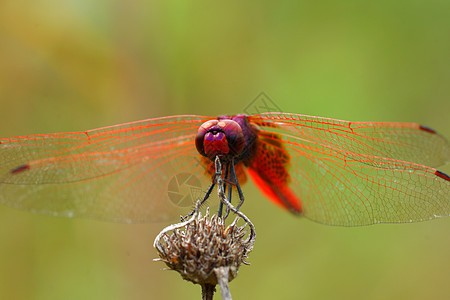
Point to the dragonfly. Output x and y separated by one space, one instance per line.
331 171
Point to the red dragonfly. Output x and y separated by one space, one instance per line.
331 171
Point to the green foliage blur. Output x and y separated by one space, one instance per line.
75 65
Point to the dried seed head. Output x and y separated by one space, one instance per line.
204 245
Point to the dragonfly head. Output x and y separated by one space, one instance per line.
223 138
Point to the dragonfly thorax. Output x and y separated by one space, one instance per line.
223 138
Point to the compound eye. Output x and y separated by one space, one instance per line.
234 136
202 131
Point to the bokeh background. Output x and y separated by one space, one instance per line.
74 65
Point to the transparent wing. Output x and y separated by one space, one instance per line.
136 172
348 173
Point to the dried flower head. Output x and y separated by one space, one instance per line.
204 246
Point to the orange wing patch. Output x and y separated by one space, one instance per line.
269 171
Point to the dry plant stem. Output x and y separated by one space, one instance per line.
208 291
205 251
222 272
222 279
251 238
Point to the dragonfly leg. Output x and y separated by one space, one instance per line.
238 187
207 194
219 212
233 178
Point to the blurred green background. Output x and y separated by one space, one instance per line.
74 65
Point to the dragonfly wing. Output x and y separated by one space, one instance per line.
124 173
352 174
